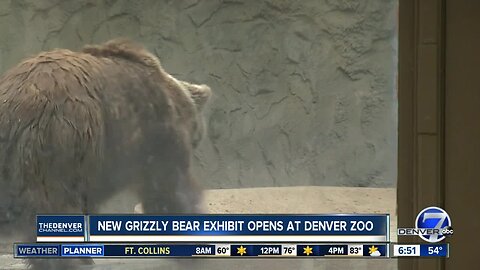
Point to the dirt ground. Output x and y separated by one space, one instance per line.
301 200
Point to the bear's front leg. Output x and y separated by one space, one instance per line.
176 194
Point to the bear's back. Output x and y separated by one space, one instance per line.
70 118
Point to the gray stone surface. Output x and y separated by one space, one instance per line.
304 89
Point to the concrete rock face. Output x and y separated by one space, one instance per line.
304 89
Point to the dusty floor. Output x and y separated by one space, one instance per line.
302 200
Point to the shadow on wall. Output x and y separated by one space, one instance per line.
304 89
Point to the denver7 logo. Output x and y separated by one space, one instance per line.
437 220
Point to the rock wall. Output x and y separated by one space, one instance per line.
305 90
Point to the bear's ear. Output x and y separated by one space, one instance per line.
199 93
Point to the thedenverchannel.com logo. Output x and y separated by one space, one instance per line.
433 224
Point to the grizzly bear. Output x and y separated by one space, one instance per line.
76 127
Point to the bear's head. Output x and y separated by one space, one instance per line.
200 94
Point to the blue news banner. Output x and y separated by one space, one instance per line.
201 250
214 228
110 250
194 235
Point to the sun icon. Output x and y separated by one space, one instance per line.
372 249
242 250
307 250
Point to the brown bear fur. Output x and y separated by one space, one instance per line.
75 127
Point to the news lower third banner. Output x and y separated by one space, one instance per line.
355 250
214 228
